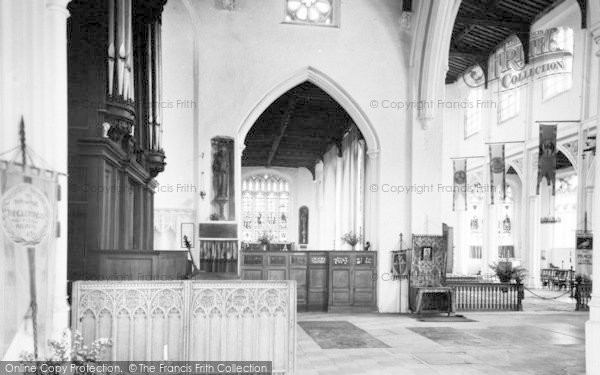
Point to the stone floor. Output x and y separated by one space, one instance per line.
547 339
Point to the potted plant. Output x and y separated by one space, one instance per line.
265 240
351 239
506 272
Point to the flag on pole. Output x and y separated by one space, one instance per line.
28 227
547 157
460 182
497 172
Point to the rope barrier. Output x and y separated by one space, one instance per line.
547 298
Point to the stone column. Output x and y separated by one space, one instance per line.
592 326
55 108
531 219
339 231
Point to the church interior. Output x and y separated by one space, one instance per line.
301 186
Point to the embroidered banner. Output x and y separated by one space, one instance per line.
28 210
547 157
460 182
497 172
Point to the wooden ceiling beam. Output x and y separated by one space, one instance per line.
467 53
506 23
285 121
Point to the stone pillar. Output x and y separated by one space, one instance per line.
531 222
592 326
339 169
55 152
372 199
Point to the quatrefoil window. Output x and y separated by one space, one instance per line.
318 12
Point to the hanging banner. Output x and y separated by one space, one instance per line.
497 172
584 244
28 215
460 182
547 157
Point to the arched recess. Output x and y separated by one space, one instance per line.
567 153
323 81
515 181
517 168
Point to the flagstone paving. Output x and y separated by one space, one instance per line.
529 342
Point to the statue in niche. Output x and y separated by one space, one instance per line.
303 225
221 172
222 178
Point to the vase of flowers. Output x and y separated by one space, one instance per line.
351 239
265 240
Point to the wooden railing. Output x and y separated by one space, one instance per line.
488 296
583 294
190 320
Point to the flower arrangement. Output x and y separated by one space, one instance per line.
351 238
507 272
265 238
70 347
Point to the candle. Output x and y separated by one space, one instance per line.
166 352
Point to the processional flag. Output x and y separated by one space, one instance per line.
547 157
28 221
460 182
497 171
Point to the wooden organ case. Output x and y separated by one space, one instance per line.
114 93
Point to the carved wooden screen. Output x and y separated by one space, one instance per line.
191 320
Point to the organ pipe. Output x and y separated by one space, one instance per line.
120 47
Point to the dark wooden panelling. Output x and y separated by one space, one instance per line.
308 268
353 285
136 265
338 281
217 230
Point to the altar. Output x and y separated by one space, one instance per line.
335 281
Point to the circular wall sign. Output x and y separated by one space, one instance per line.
25 215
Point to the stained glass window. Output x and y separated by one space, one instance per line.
265 207
316 12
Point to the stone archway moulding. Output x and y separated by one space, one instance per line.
318 78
